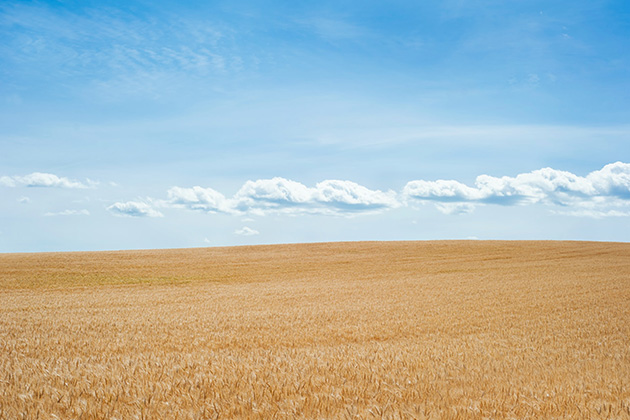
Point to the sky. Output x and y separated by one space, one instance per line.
160 124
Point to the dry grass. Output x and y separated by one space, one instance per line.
346 330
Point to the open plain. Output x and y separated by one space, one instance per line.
447 329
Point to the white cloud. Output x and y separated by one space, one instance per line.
613 180
69 213
609 186
198 198
327 197
440 190
24 200
280 195
349 196
455 208
41 179
596 214
601 193
246 231
134 209
7 181
272 194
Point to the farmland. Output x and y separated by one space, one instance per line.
442 329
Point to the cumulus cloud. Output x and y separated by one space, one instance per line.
601 193
198 198
280 195
327 197
349 196
69 213
246 231
134 209
273 194
24 200
7 181
612 180
41 179
609 186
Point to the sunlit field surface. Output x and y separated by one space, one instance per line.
320 331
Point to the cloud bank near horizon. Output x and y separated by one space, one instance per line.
592 195
280 195
46 180
601 193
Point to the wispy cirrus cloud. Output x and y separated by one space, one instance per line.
332 29
41 179
595 214
111 48
82 212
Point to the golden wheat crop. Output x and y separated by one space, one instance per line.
319 331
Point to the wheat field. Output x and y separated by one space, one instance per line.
391 330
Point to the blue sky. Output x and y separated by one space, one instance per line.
181 124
